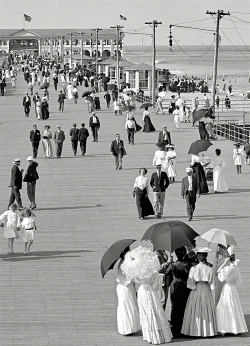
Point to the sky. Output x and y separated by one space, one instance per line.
105 13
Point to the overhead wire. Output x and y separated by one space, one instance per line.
240 35
195 56
234 45
146 51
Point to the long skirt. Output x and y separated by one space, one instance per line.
202 130
179 294
47 147
229 314
200 176
220 184
199 317
143 204
45 113
154 323
128 320
148 126
210 131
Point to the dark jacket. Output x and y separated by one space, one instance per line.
74 134
91 124
83 134
162 140
26 102
159 185
35 136
116 148
31 173
61 97
185 186
16 177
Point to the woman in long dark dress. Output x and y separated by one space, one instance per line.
202 129
199 173
147 124
179 292
141 190
45 109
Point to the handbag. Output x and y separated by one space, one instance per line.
45 137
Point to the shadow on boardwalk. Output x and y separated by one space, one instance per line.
72 207
39 255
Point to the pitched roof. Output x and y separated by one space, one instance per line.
140 67
87 33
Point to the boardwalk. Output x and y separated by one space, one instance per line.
55 296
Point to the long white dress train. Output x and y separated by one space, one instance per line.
229 314
128 320
220 184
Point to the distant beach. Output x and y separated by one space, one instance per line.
233 63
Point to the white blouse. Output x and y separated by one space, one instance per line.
141 182
200 272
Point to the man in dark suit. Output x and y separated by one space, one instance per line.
164 136
159 183
74 138
94 125
26 104
59 138
30 178
117 149
61 98
35 137
189 190
16 184
82 136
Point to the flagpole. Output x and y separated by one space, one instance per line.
23 22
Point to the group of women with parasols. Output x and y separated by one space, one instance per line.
193 310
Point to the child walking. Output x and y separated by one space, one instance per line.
237 153
9 220
29 226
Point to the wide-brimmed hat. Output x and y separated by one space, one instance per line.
237 144
17 161
170 146
30 158
202 250
58 126
188 169
130 117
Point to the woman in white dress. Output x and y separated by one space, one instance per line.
199 317
229 314
141 264
70 91
176 114
160 156
128 321
220 256
46 137
171 162
39 109
29 226
9 220
218 164
237 154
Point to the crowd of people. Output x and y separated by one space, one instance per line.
190 280
191 277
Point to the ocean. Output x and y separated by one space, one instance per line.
234 61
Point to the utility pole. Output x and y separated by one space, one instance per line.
81 49
154 24
62 50
96 55
219 14
117 27
71 50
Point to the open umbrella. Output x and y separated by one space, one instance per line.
170 235
130 92
111 86
113 254
106 79
86 93
44 86
199 114
127 108
199 146
219 236
146 105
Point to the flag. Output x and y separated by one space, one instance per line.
27 18
122 17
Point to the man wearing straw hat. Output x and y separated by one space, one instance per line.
189 190
159 183
30 178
